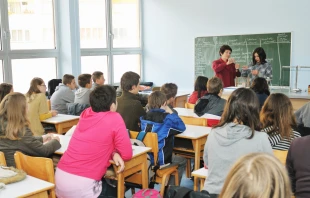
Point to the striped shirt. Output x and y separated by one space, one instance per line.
276 141
264 71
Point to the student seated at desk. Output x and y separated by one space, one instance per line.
37 106
303 119
261 88
82 94
100 136
212 102
257 175
63 94
129 106
15 134
170 90
233 137
163 121
278 121
5 89
98 79
297 164
200 89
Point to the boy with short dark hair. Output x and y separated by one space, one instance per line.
63 94
212 102
98 79
82 94
163 121
170 90
129 106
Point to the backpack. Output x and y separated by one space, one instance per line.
147 193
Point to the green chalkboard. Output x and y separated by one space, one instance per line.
277 47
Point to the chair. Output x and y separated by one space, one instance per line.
189 106
2 159
156 89
49 104
39 167
194 121
162 175
281 155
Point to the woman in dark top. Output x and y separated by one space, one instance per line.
261 88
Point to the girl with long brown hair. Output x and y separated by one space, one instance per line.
15 134
235 136
278 121
37 106
257 175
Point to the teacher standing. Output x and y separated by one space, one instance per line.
259 67
225 67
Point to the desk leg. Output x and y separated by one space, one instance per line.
202 183
120 185
144 174
197 153
58 128
195 183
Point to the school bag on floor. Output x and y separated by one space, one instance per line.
147 193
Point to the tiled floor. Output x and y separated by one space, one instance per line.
185 182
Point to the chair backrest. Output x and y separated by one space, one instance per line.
281 155
39 167
2 159
156 89
150 140
189 106
49 104
194 121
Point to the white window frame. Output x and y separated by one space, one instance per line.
109 51
7 54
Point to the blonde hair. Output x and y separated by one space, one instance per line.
257 175
13 115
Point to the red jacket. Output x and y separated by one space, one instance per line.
194 97
227 73
95 138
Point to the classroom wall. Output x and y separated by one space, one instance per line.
170 26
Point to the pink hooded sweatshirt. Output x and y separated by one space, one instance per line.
95 138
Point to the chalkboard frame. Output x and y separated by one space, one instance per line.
281 69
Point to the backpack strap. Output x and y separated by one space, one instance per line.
143 133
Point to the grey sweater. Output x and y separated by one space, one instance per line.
62 95
303 115
224 146
82 95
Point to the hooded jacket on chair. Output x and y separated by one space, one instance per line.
166 126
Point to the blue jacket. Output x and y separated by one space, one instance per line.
166 126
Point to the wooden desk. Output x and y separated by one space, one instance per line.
198 137
62 122
136 164
180 99
297 99
190 113
30 187
200 175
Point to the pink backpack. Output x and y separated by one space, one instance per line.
147 193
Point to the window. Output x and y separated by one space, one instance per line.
89 64
24 70
126 23
92 22
1 71
27 18
124 63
